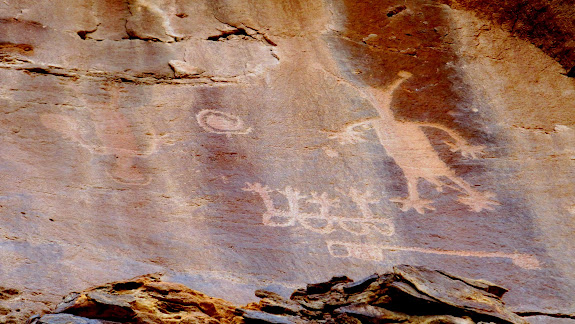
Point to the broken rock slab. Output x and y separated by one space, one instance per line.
460 293
185 70
409 294
144 299
66 319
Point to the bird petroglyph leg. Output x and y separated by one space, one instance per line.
413 200
368 221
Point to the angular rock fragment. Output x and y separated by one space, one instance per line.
99 304
148 22
409 295
145 299
373 313
185 70
67 319
450 290
275 304
251 316
360 284
481 284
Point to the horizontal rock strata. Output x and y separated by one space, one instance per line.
407 295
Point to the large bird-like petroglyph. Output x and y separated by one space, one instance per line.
412 151
324 221
115 138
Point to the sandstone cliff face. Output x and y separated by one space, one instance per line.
244 144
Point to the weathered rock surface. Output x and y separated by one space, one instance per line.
548 24
144 299
237 145
406 295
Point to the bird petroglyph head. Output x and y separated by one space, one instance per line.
404 74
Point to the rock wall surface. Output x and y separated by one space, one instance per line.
548 24
238 144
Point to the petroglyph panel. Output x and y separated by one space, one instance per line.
325 221
366 140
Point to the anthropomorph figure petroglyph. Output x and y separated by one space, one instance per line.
323 221
115 135
410 148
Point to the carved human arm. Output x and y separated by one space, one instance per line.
460 144
351 134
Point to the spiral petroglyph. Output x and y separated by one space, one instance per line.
219 122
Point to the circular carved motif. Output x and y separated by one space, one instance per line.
219 122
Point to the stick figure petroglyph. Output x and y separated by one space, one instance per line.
412 151
324 221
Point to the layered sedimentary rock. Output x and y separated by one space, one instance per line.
406 295
240 145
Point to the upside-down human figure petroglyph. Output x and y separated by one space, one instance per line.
115 135
324 221
219 122
412 151
378 253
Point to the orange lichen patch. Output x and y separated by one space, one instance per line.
147 299
18 48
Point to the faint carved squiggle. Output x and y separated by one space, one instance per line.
330 152
377 253
115 136
412 151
